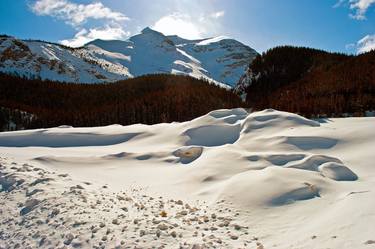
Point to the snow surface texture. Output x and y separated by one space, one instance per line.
219 60
228 179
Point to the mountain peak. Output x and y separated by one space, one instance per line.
149 30
95 42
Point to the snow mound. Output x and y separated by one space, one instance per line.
65 126
213 135
47 138
270 187
284 177
337 171
270 119
229 116
226 113
313 162
330 167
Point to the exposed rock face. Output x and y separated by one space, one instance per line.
245 81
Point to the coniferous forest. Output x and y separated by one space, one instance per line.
312 82
148 99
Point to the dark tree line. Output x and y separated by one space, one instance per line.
313 82
148 99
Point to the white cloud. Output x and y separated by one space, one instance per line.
84 36
359 6
218 14
366 44
178 24
194 26
75 14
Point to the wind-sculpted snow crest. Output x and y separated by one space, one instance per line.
268 171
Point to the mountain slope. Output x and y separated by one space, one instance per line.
311 82
38 59
219 60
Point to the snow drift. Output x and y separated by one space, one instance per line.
288 181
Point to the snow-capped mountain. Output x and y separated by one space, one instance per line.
52 61
220 60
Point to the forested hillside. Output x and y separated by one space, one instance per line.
149 99
312 82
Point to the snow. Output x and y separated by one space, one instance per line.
219 61
211 40
228 179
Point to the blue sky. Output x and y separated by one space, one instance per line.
336 25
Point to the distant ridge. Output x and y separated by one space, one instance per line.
221 61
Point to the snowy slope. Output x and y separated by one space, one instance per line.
219 60
36 59
268 179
